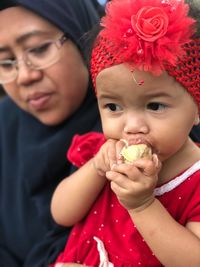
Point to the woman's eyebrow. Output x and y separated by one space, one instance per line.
28 35
23 38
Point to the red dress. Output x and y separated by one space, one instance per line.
107 236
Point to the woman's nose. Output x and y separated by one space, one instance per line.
26 75
136 123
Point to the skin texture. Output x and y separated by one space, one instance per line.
154 114
52 94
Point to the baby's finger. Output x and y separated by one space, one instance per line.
118 178
119 146
111 153
125 169
157 162
147 167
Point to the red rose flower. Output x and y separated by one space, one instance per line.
146 34
150 23
84 147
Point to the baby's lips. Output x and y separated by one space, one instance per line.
135 141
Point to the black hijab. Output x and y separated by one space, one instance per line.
74 18
32 155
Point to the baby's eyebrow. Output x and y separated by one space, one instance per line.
107 96
158 94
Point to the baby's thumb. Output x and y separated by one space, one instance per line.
157 162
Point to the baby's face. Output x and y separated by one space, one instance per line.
160 112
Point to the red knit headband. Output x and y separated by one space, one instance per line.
150 35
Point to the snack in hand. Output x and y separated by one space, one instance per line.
134 152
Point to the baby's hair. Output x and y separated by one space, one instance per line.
90 38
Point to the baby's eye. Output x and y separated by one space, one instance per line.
155 106
113 107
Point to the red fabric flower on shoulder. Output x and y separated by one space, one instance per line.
84 147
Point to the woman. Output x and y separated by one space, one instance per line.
49 100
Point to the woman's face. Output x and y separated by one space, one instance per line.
54 93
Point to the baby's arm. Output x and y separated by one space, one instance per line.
75 194
173 244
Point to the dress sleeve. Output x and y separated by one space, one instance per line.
84 147
194 213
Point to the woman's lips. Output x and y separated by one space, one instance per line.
39 102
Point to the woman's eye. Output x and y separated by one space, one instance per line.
41 49
113 107
6 65
155 106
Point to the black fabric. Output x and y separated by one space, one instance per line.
100 8
195 134
33 161
33 157
73 17
7 3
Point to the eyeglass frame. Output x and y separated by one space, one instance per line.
58 43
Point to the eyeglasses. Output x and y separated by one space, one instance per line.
39 57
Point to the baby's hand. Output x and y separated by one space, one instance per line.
134 183
108 155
